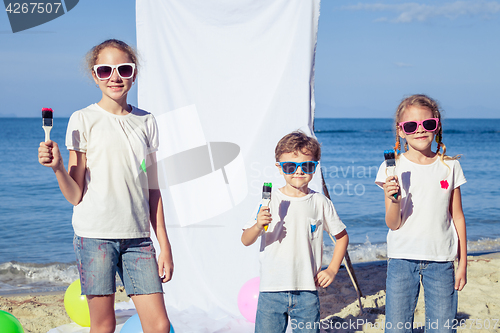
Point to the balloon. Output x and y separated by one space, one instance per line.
133 325
9 323
248 298
76 304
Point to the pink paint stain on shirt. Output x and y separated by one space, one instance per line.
444 184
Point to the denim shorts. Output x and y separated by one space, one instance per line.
134 260
275 308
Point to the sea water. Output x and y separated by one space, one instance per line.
353 151
36 251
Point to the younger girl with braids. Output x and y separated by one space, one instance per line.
427 225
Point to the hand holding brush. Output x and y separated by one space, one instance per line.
264 214
48 153
392 180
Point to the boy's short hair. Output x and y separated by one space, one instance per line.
298 141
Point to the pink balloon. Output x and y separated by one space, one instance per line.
248 298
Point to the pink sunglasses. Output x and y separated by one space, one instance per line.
410 127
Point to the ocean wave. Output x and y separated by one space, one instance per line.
368 252
16 277
483 245
55 272
19 277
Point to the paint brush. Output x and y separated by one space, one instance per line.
266 197
390 164
47 117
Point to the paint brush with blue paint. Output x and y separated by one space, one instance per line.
390 164
47 118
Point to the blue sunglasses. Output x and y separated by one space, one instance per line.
307 167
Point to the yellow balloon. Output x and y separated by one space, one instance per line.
76 304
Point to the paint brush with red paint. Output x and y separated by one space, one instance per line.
47 117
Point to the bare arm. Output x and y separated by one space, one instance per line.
459 220
72 182
326 277
157 216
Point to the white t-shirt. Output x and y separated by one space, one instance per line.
427 231
291 249
115 203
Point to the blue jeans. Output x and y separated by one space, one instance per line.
403 286
134 260
274 308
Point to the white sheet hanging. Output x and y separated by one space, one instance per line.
226 79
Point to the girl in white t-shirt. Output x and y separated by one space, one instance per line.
112 183
427 225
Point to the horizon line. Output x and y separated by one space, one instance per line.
67 117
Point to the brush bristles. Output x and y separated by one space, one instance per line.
266 191
47 113
389 158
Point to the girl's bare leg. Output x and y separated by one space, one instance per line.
102 313
152 313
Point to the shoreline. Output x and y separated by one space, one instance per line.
62 288
479 302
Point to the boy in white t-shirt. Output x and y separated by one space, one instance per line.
292 246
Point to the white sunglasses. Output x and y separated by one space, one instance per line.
104 72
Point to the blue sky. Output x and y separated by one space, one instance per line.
369 56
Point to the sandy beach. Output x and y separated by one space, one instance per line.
40 313
479 302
